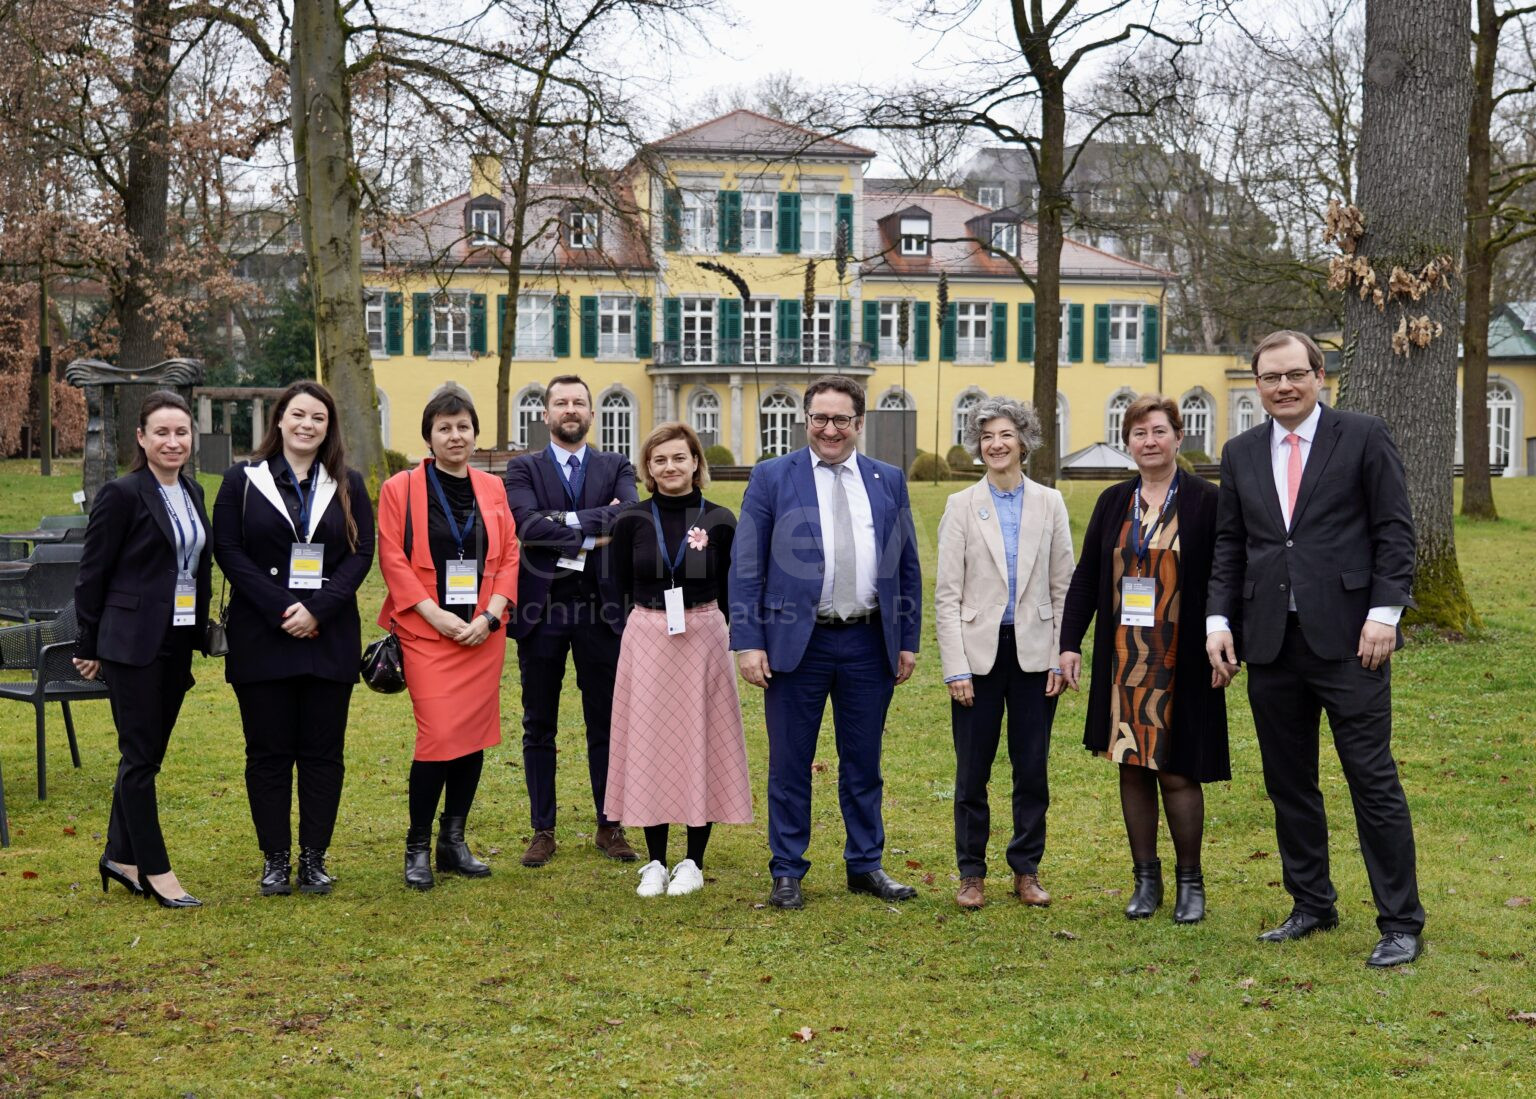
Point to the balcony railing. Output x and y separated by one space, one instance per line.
750 352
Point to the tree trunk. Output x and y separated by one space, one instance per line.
1044 463
1476 484
1412 165
331 218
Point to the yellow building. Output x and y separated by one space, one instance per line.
626 288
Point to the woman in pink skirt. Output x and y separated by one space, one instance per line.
676 751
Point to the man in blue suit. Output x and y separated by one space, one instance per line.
826 601
564 499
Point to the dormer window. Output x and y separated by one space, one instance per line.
915 232
581 228
990 194
484 223
1005 237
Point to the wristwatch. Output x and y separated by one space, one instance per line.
491 620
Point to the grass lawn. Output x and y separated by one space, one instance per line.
562 981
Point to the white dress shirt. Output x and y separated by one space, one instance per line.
562 458
1279 462
865 557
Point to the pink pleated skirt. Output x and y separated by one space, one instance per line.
676 753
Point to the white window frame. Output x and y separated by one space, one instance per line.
758 211
1198 413
704 413
759 325
990 195
581 229
818 337
530 410
1247 413
616 422
1114 417
698 222
973 331
895 400
484 225
699 331
890 322
962 408
450 324
1005 237
818 224
1125 320
777 413
376 322
916 233
535 326
1501 423
616 326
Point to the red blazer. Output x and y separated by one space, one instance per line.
409 581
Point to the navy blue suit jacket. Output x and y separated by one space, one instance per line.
536 487
777 561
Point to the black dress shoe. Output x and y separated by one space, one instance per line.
276 870
786 893
453 854
1147 890
1396 948
418 859
878 883
1298 925
1189 903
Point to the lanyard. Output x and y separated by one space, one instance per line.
453 526
306 500
186 541
673 561
1139 547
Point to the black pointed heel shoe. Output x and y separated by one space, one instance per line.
186 900
110 872
1147 895
1189 899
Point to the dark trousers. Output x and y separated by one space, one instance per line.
298 722
145 704
847 664
1288 697
977 729
541 660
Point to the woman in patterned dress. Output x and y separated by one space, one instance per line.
1155 707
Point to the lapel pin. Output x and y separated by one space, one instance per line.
984 513
877 476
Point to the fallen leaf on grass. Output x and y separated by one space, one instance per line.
69 831
836 1029
913 864
1063 935
1194 978
1246 982
1196 1056
804 1034
766 978
613 1022
1513 902
1258 855
1437 1014
818 768
170 1011
927 879
29 874
1526 1017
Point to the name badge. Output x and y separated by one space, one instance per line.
1138 601
676 624
463 586
184 605
575 564
305 564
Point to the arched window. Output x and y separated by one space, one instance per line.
963 405
1195 408
894 400
530 410
616 423
1114 416
1501 424
1247 415
704 416
777 422
1063 426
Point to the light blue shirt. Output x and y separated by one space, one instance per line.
561 458
1010 509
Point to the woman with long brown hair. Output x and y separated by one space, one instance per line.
293 532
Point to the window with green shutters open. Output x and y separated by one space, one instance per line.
757 210
698 330
698 221
973 331
757 331
818 346
535 326
890 348
1124 333
616 326
818 224
457 324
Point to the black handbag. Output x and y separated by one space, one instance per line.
384 665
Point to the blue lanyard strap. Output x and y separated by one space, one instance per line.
186 541
674 561
1138 547
306 499
453 526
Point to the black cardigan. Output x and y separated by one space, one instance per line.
1199 711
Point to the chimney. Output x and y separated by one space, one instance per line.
484 175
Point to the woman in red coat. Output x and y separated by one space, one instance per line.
448 552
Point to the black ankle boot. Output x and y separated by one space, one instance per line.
453 855
275 872
418 861
1148 894
1189 901
312 875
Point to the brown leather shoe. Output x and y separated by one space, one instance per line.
1027 888
541 848
611 842
971 895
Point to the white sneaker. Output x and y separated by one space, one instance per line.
686 878
653 880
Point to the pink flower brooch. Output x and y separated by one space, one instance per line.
698 538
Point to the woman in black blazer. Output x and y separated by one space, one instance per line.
293 531
141 600
1155 706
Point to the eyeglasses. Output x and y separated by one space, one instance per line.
1295 377
820 420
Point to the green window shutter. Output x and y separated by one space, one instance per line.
477 323
421 321
728 220
643 328
949 335
1074 334
589 326
789 330
845 218
1026 331
1150 335
788 228
871 329
672 219
999 332
1101 333
843 332
922 320
672 323
504 332
562 326
728 316
394 324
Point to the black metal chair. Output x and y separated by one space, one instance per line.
38 586
73 521
45 650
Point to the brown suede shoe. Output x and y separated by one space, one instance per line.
611 842
971 895
541 849
1027 888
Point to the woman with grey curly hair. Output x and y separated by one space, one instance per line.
1005 561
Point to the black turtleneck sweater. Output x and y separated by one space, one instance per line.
638 566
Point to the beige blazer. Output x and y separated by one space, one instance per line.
972 589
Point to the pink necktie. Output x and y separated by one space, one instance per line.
1292 476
